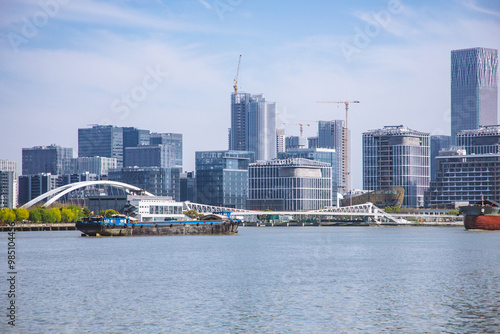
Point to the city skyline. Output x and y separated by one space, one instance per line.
169 67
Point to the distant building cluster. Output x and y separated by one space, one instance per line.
263 168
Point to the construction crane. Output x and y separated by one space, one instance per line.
301 126
236 77
346 171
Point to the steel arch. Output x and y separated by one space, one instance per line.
63 190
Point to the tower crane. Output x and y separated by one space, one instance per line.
301 126
236 77
346 171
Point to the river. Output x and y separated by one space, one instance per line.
262 280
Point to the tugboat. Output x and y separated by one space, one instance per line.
120 225
484 215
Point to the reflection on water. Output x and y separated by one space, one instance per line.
263 280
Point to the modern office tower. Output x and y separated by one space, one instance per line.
295 143
470 171
94 165
331 134
158 181
34 185
397 156
463 177
438 143
101 141
8 184
325 155
289 185
188 187
133 137
51 159
222 178
474 89
163 156
253 125
312 142
280 141
172 140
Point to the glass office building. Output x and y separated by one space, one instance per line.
222 178
51 159
397 156
8 184
289 185
474 89
325 155
253 125
331 134
438 143
173 141
101 141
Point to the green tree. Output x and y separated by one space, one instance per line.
86 212
108 213
21 214
7 215
67 215
36 215
191 214
78 212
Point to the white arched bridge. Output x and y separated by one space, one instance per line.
57 193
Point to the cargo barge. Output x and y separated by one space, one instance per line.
484 215
126 226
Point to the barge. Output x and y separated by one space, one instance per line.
126 226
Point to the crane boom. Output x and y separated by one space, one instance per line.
236 77
301 126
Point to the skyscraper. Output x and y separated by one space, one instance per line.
173 141
51 159
438 143
397 156
133 137
331 134
253 125
474 89
102 141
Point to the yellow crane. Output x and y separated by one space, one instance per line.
301 126
236 77
346 171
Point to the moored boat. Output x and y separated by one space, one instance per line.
484 215
126 226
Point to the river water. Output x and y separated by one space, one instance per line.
263 280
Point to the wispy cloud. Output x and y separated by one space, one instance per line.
206 4
472 4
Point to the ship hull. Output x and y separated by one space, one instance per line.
198 228
481 217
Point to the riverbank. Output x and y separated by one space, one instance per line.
39 227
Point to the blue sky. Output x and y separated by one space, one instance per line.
168 66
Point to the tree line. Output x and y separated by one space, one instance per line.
68 214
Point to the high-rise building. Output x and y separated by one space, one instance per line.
173 141
8 184
101 141
94 165
51 159
312 142
325 155
289 185
295 143
150 156
133 137
332 134
280 140
188 187
222 178
397 156
438 143
468 172
474 89
158 181
253 125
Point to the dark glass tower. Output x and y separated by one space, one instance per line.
474 89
